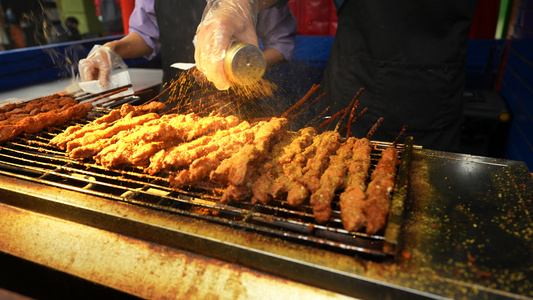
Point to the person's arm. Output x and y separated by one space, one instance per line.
130 46
273 57
142 40
276 27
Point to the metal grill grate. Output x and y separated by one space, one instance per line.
30 158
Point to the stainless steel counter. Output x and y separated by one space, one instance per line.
141 79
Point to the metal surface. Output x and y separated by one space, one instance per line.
244 63
450 203
33 160
468 220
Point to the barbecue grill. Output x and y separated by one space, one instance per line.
448 213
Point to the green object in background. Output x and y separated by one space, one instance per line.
84 11
506 6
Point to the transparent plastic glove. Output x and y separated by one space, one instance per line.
99 64
223 21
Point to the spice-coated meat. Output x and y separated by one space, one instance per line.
272 181
36 115
77 131
352 199
270 170
184 154
120 125
329 143
377 206
235 168
218 150
331 180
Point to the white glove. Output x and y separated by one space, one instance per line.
99 64
223 21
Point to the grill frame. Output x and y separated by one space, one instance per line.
348 272
30 158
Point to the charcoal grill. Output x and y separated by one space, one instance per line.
274 238
31 159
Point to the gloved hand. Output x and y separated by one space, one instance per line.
99 64
222 22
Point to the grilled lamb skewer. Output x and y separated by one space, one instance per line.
294 170
219 150
52 118
126 110
377 206
239 171
329 143
234 169
120 125
36 123
43 104
136 148
331 180
185 154
352 199
273 182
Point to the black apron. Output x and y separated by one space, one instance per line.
410 58
177 21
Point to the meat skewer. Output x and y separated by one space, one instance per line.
351 107
272 182
126 110
217 150
120 125
36 123
184 154
329 143
300 102
294 170
377 206
331 180
352 199
239 170
235 168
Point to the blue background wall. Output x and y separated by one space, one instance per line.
516 85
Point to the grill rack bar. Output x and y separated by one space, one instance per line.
30 158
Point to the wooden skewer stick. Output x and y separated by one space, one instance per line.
104 93
351 119
374 128
109 94
332 118
293 117
356 118
122 97
352 103
320 116
300 102
402 133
